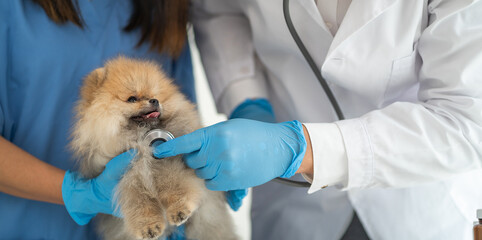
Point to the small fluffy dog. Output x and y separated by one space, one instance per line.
119 104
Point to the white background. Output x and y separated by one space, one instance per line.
210 116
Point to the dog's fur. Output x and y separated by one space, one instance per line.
154 195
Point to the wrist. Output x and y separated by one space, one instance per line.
306 165
298 147
75 197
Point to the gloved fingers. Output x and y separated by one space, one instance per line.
235 198
195 160
216 185
184 144
238 193
117 166
207 172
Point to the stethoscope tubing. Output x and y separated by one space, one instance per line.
318 75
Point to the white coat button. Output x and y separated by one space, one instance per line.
329 25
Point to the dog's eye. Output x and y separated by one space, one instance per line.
132 99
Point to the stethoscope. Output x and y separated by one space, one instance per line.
317 72
156 136
159 136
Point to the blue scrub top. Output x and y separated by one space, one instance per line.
41 69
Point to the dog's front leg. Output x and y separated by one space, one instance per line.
178 189
144 217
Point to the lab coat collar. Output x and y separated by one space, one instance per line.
358 15
312 9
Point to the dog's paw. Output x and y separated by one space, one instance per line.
180 206
147 225
150 231
178 216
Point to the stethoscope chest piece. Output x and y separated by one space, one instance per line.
157 136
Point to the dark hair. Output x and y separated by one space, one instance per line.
162 22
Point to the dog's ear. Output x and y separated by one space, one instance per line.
91 83
95 78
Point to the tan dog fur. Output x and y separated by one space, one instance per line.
154 195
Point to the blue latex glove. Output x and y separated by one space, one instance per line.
255 109
240 153
235 198
178 234
84 198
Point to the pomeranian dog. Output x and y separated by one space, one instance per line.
119 104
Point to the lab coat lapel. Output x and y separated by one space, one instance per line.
358 15
312 29
312 10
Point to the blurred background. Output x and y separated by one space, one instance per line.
210 116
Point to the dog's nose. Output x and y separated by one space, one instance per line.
154 102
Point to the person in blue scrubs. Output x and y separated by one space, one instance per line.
42 64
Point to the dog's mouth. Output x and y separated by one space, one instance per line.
145 116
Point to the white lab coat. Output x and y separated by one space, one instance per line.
408 77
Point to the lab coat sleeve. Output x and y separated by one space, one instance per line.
329 161
224 39
439 136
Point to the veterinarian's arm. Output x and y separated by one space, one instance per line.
25 176
306 166
261 110
241 153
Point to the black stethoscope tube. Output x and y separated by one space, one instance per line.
317 72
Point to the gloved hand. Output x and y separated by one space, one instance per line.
255 109
240 153
178 234
84 198
235 198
